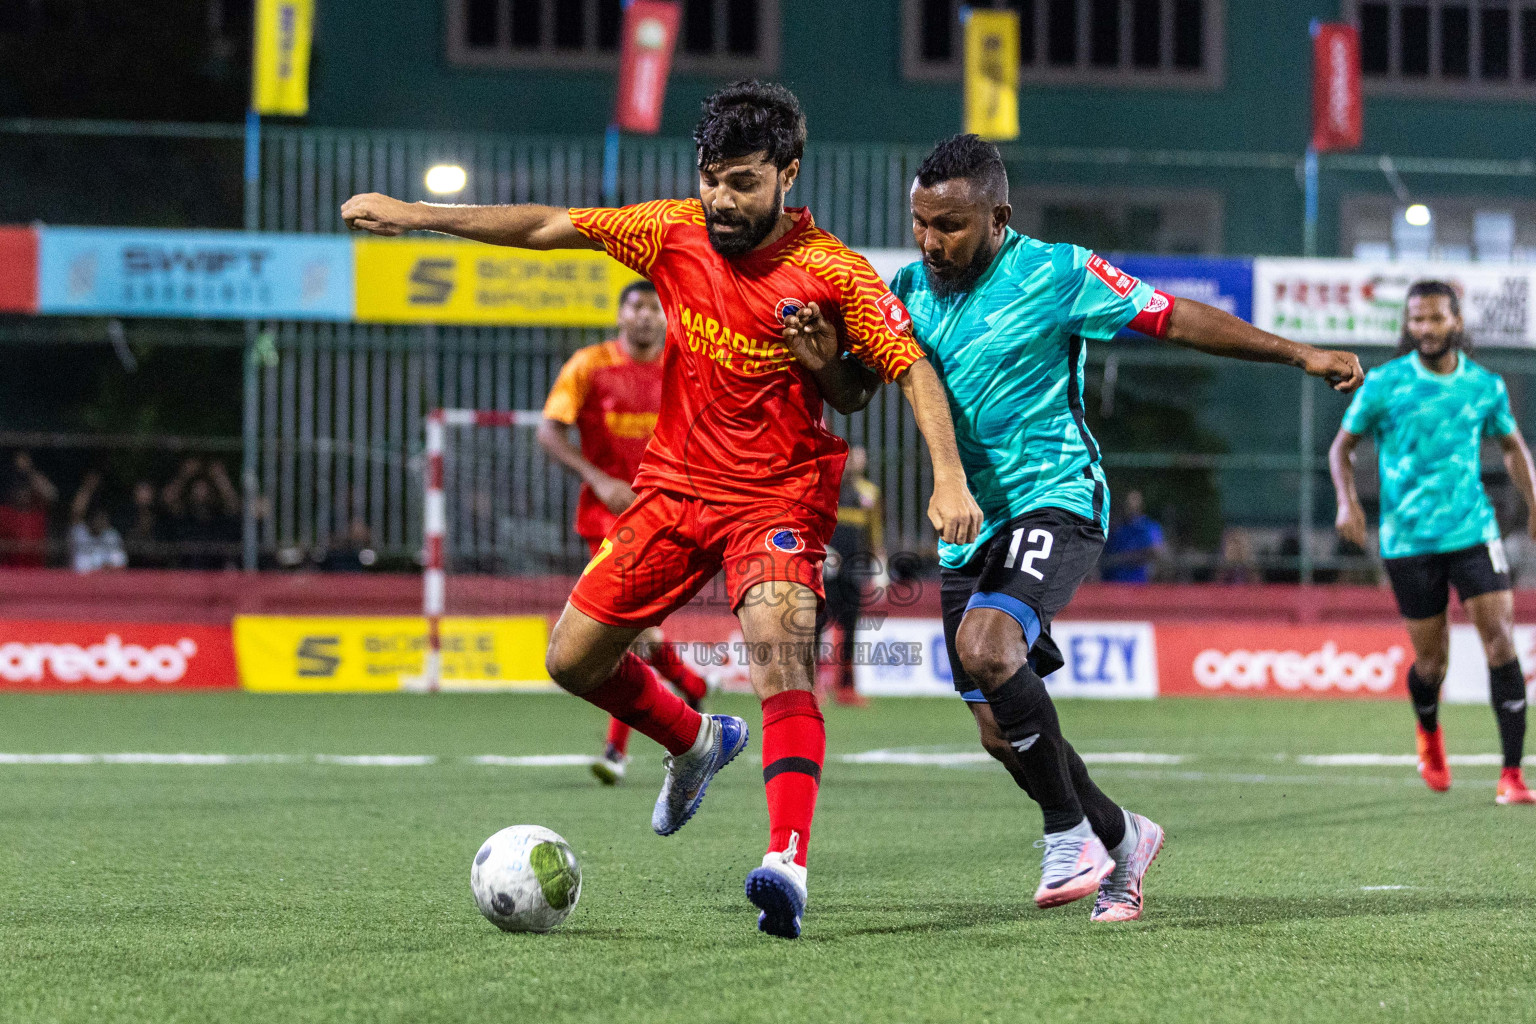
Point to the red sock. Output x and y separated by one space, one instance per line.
636 697
618 736
794 745
673 669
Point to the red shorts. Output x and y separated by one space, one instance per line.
666 547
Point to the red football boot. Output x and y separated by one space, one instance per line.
1432 766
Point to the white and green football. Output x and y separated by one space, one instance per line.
525 879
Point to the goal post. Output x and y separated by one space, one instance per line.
434 578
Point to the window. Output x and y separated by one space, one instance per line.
1121 220
1100 42
1494 230
719 38
1456 48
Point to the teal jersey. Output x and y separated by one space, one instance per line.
1428 429
1011 353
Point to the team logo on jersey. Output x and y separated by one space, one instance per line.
782 538
787 308
896 316
1119 282
1156 304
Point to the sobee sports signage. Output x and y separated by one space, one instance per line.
447 282
48 655
348 654
215 274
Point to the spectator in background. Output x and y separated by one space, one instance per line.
353 552
24 515
855 556
204 516
145 533
1237 565
93 543
1134 545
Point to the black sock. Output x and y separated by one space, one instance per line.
1027 719
1106 817
1426 699
1506 687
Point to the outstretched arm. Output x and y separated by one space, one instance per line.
524 226
1208 329
1517 459
1350 521
952 510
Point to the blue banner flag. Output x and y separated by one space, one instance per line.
205 274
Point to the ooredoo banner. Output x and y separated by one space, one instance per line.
1258 660
50 655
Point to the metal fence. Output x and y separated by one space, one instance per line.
332 414
336 419
339 429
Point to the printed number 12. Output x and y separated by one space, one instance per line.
1034 554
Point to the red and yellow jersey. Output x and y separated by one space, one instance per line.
741 420
613 401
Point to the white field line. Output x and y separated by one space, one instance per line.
1396 760
357 760
534 760
920 757
951 758
1384 888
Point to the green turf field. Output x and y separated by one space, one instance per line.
303 891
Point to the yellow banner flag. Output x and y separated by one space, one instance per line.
992 73
280 64
428 280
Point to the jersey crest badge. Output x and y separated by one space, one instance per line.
787 308
785 539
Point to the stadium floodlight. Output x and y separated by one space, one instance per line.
1417 215
446 179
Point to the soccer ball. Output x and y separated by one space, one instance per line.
525 879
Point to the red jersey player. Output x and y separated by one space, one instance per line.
741 473
611 393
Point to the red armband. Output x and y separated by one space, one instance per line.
1154 316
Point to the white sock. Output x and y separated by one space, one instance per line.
704 740
1128 844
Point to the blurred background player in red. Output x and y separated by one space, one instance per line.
611 393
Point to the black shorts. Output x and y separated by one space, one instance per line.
1030 569
1422 583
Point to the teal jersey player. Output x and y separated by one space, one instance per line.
1428 411
1021 433
1004 320
1428 428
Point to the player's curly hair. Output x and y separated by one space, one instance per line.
749 117
966 156
1425 289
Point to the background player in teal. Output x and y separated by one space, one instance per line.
1428 411
1004 320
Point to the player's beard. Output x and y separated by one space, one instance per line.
948 281
749 232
